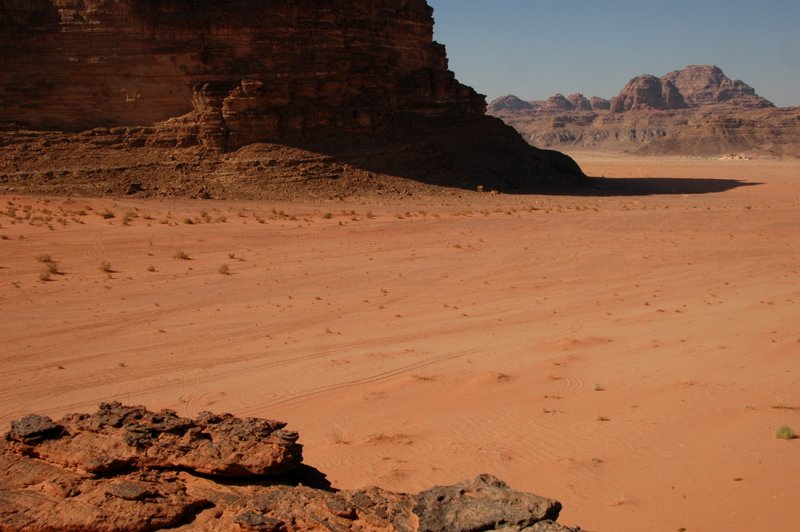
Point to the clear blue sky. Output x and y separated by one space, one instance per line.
535 48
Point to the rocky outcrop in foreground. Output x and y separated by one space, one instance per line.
121 84
695 111
129 469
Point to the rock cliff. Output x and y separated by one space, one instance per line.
244 70
696 111
647 92
222 75
130 469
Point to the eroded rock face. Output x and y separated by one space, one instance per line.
244 70
118 437
558 102
579 102
647 92
695 111
599 104
50 480
510 103
702 85
167 98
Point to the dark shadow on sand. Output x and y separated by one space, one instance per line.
303 475
648 186
483 153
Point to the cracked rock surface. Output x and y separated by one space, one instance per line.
129 469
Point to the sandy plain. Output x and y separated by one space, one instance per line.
629 351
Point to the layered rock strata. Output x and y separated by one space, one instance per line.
696 111
221 75
126 468
245 70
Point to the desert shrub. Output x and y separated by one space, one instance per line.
223 269
105 266
785 432
181 255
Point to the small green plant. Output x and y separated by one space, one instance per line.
105 266
231 255
785 432
181 255
107 214
598 388
223 269
151 268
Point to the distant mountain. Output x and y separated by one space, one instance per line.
697 110
706 84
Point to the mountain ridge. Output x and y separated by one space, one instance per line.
696 111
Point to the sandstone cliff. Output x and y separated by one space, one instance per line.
221 75
130 469
695 111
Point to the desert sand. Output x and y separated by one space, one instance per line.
629 351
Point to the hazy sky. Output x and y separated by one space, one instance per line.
535 48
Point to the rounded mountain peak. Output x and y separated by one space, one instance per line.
508 103
707 84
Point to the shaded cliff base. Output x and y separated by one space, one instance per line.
407 158
127 468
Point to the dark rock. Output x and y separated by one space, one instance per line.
134 188
254 521
33 429
485 503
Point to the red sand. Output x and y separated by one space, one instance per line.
631 356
